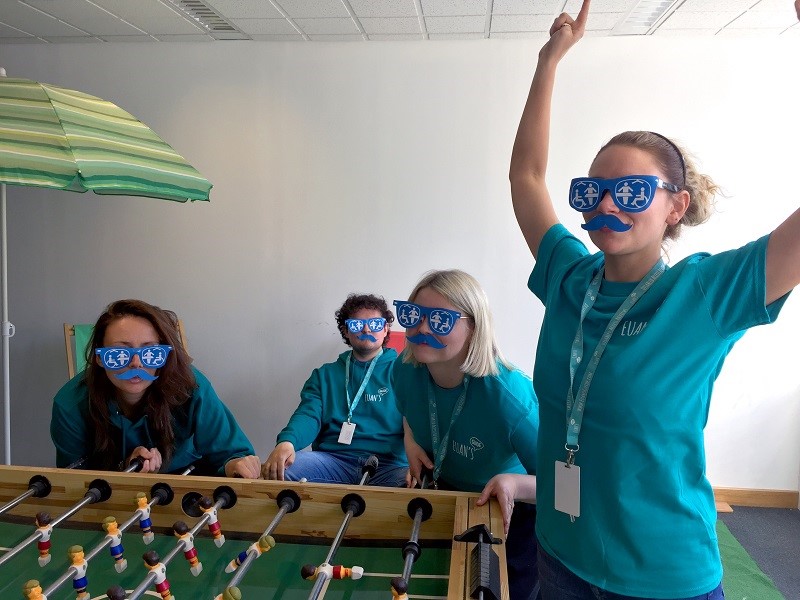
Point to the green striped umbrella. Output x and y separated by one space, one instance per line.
58 138
52 137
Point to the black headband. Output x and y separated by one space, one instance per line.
677 151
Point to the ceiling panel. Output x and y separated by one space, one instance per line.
43 21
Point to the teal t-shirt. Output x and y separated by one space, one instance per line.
646 527
206 433
495 432
318 419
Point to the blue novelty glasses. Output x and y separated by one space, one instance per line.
357 325
633 193
152 357
440 320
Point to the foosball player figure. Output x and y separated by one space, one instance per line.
145 524
264 544
79 580
117 551
116 592
153 563
338 572
181 530
33 591
206 504
43 520
231 593
399 588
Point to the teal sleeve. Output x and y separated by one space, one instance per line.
524 439
216 432
68 423
306 423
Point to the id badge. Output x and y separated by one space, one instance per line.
346 436
568 489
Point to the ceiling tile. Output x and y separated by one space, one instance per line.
399 37
504 23
28 19
661 32
337 37
527 7
392 25
690 20
455 24
716 5
243 9
764 19
152 16
457 36
265 26
327 26
86 16
384 8
600 6
303 9
453 8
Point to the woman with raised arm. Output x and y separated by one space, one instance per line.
624 507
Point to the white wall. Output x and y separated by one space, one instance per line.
357 167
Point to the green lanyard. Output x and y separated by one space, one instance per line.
440 450
351 405
576 405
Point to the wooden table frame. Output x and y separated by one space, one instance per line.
319 515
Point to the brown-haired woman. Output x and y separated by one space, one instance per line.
140 397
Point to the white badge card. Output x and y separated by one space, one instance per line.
346 436
568 489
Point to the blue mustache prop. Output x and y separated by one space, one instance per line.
136 373
610 221
369 337
424 338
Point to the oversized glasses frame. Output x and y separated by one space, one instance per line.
632 193
357 325
440 320
119 357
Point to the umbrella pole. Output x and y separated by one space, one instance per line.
8 330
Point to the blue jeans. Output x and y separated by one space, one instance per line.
345 468
559 583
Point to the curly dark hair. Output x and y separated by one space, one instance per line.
167 394
356 302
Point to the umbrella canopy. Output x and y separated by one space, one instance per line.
52 137
58 138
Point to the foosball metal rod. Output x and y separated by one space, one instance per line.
161 493
288 501
38 487
422 511
352 505
98 491
222 501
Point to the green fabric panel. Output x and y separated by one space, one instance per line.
60 138
742 578
83 335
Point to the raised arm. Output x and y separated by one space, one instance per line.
783 251
529 194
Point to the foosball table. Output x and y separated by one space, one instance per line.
238 538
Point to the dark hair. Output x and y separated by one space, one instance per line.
151 557
180 527
174 386
356 302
